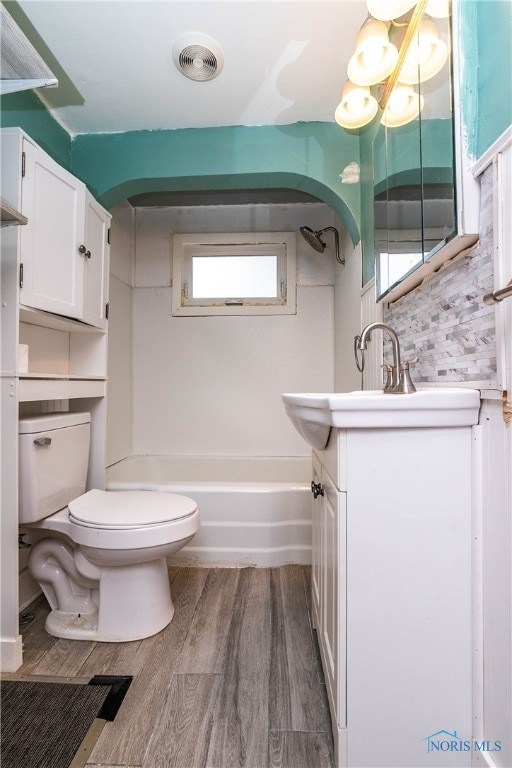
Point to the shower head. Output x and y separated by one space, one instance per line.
313 238
315 241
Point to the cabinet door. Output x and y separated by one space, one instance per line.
334 595
96 263
53 201
316 556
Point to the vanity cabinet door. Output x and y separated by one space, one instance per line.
52 199
333 627
96 263
316 552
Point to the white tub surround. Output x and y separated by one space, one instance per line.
254 510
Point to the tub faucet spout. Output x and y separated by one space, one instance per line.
360 345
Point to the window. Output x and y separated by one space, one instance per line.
234 274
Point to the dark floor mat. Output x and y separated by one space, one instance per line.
43 724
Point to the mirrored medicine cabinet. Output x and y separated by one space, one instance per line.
418 187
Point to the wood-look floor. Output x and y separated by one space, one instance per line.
234 680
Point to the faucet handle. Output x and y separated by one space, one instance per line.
388 370
406 385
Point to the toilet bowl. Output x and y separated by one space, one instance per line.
100 556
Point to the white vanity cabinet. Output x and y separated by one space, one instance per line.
391 592
64 245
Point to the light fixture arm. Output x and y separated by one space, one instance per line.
412 30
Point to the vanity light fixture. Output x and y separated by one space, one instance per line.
357 106
419 55
375 57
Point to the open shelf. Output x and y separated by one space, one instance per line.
64 388
10 216
56 322
59 376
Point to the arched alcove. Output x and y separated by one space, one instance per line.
305 157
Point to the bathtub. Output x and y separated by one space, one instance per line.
254 510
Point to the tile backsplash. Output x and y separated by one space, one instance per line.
444 322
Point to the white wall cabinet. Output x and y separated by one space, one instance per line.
391 531
64 245
59 312
96 263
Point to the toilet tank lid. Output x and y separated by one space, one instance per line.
48 421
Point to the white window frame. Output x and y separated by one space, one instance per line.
280 244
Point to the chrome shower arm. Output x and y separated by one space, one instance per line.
336 242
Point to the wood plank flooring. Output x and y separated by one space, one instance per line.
234 681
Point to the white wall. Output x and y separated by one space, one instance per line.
119 390
212 385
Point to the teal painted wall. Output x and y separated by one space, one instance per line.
494 98
25 110
303 156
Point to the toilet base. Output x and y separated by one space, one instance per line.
134 603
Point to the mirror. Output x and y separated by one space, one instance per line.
414 182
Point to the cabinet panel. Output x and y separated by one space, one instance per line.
96 263
53 202
316 533
333 594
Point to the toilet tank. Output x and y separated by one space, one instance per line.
53 462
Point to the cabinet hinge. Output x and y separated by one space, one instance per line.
108 235
106 310
23 162
21 275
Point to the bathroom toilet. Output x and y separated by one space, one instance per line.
99 556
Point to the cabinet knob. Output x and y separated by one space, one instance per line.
317 489
82 249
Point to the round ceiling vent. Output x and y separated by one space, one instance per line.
198 56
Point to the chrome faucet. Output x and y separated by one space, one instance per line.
399 380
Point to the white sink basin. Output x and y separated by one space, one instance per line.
313 414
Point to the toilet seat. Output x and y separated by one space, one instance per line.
125 510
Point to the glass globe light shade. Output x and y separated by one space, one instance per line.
385 10
357 106
375 57
426 56
404 104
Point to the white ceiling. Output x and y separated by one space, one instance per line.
284 62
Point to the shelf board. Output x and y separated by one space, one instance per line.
56 322
60 376
31 389
10 216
